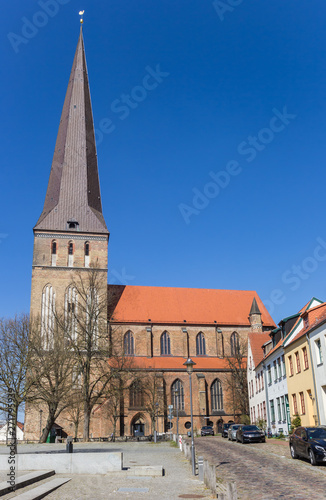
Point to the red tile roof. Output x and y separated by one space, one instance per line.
148 304
257 340
173 363
20 425
316 316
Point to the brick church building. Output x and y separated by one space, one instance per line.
161 327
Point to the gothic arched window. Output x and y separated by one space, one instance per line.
47 316
200 344
235 346
92 317
71 306
216 395
53 252
136 395
86 253
177 395
128 343
165 344
70 254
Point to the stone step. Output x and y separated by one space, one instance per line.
25 480
43 490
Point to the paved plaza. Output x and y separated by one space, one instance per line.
178 479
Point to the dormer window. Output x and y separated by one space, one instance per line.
72 224
70 254
53 253
306 321
86 252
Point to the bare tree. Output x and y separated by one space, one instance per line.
15 386
52 371
154 395
236 382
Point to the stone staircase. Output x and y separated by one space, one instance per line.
24 481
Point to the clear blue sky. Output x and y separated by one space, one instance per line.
238 89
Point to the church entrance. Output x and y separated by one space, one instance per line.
138 426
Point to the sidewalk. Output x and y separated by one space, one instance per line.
178 481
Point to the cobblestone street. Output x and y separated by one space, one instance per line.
264 471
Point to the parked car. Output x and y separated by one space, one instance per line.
232 432
225 429
207 430
250 434
309 442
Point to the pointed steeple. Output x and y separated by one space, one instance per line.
255 317
254 308
73 198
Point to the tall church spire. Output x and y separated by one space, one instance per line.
73 198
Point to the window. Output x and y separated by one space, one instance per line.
297 362
76 377
47 316
71 313
128 343
319 353
269 374
258 414
283 366
259 383
254 414
283 409
295 405
262 380
235 346
252 388
86 252
271 403
256 385
216 395
70 254
275 371
165 344
303 408
136 398
54 253
200 345
290 365
306 322
177 395
305 358
264 407
92 317
279 368
279 414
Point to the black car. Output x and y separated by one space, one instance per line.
250 434
207 430
309 442
225 429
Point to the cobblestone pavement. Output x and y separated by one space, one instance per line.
264 471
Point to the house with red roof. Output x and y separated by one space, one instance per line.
275 368
304 350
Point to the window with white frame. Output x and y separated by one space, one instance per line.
319 353
47 316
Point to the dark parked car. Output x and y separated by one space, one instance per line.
232 432
309 442
207 430
225 429
250 434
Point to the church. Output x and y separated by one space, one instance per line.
161 327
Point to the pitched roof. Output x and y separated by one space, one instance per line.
73 191
175 363
148 304
257 340
254 307
315 317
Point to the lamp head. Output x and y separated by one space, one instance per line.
189 364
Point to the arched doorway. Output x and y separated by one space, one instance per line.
138 425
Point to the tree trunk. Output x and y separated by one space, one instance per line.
87 419
48 426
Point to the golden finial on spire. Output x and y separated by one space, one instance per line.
81 12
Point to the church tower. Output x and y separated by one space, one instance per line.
71 234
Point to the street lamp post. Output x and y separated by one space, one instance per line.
190 368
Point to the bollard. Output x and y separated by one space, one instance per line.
201 468
69 445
